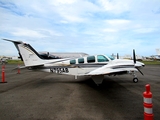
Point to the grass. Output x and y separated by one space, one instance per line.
15 62
151 62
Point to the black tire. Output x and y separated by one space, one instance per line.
135 80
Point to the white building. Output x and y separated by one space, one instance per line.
14 58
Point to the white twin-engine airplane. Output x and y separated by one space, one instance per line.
95 66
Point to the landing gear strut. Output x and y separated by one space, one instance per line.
135 79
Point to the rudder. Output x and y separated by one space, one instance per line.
29 56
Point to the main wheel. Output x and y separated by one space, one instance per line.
135 80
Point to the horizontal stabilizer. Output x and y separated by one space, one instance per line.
28 67
17 42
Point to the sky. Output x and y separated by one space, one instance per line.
90 26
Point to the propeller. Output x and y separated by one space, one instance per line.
117 56
139 70
134 57
134 60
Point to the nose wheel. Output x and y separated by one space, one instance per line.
135 80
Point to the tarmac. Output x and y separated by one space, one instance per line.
47 96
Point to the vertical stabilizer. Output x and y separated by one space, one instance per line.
27 53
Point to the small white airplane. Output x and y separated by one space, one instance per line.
95 66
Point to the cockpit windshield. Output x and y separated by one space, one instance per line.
111 57
101 58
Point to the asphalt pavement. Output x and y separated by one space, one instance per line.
47 96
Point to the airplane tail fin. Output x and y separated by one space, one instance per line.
28 55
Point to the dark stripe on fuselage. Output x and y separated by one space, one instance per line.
123 66
71 66
33 50
89 65
83 66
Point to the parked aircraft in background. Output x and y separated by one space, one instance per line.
95 66
155 57
51 55
158 54
3 61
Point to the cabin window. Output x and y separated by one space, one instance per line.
91 59
72 61
102 58
81 60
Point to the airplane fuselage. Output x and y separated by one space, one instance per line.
95 66
84 65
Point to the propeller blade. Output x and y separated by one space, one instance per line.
134 56
117 56
139 70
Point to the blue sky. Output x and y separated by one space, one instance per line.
90 26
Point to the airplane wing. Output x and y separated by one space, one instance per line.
112 69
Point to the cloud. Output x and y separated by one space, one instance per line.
114 25
145 30
27 33
91 26
117 22
59 2
74 10
50 32
11 8
114 6
110 30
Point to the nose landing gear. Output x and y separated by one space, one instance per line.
135 80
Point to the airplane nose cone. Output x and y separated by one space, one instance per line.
143 65
139 64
